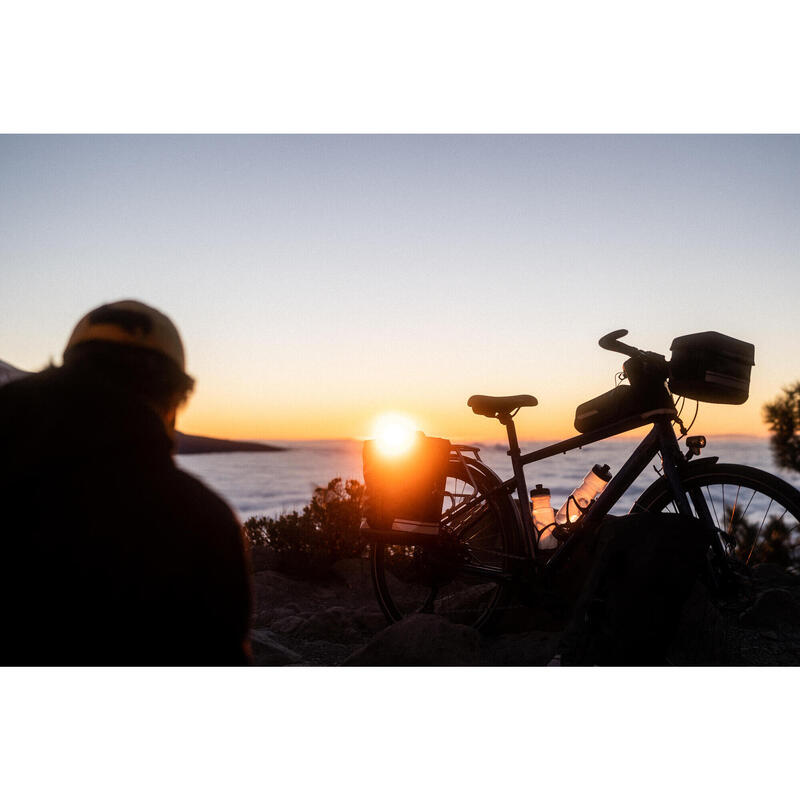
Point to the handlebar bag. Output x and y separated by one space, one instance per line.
711 367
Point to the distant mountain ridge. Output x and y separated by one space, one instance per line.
10 373
185 444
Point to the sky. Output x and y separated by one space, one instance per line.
320 281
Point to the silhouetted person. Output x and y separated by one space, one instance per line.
109 553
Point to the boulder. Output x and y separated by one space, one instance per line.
772 609
287 624
773 574
368 619
272 590
353 571
331 624
268 652
420 640
532 648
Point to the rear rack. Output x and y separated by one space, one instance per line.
402 532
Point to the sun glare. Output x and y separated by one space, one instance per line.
394 433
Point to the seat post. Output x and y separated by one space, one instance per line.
519 477
511 430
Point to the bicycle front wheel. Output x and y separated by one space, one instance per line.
463 575
756 514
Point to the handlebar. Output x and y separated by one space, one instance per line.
641 363
610 342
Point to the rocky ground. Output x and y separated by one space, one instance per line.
755 624
336 620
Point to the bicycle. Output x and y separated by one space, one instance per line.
485 544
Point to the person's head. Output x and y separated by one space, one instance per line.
136 348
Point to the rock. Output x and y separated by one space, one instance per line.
268 652
289 610
332 625
287 624
773 608
532 649
268 617
420 640
773 574
324 653
353 571
273 590
262 617
369 620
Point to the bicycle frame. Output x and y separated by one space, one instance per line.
661 439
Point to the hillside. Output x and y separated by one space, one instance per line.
187 444
10 373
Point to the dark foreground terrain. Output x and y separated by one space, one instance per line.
336 621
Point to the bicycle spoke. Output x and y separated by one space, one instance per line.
758 532
746 508
716 518
780 518
733 510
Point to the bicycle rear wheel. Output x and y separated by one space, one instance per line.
756 514
478 530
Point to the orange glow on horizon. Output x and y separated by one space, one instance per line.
339 393
454 423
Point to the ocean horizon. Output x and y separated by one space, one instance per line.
272 483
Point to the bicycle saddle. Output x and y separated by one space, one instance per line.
491 406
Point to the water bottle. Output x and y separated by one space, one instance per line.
544 517
594 483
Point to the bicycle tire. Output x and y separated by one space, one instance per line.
766 497
419 579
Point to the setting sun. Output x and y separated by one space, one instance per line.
394 433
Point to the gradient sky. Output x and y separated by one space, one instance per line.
321 280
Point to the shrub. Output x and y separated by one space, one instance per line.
783 417
309 542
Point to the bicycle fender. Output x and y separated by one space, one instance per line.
705 460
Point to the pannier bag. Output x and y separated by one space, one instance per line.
405 486
711 367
